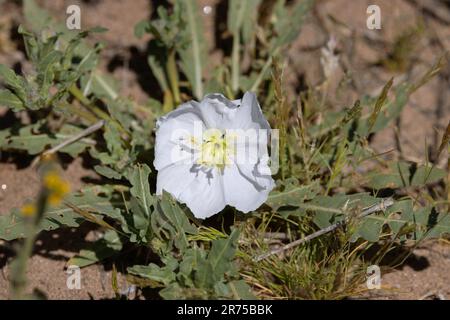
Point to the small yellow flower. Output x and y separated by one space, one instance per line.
28 210
51 180
54 199
57 187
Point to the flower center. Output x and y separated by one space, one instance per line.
214 150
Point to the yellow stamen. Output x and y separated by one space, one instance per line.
215 149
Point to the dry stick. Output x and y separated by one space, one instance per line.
96 126
382 206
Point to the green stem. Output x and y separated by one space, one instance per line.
235 62
235 56
198 85
171 68
18 278
19 265
89 117
76 92
261 75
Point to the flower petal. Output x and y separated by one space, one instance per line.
201 190
174 179
245 188
219 112
250 115
205 194
173 135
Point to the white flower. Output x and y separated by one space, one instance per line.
214 153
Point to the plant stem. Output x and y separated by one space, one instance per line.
235 63
261 75
76 92
89 117
235 56
198 85
18 278
19 265
172 74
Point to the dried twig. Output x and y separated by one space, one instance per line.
382 206
96 126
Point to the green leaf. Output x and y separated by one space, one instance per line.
242 16
403 174
36 16
289 21
426 222
15 82
10 77
141 204
13 226
172 292
171 223
141 28
164 275
46 70
10 100
117 155
427 174
103 86
34 142
331 209
190 263
39 19
107 172
193 55
109 245
158 72
292 194
249 23
223 251
370 230
240 290
140 187
218 262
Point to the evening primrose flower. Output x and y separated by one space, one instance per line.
213 153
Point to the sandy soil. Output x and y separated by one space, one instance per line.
425 275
